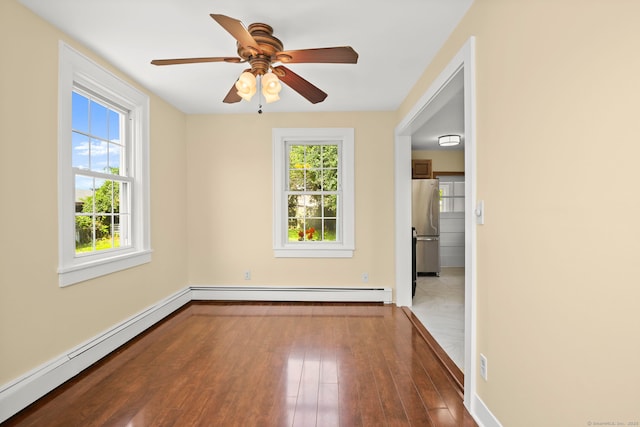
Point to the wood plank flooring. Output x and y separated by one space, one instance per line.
271 364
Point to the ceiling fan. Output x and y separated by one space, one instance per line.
258 47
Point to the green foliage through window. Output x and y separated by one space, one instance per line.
313 197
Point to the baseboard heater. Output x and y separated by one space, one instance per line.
265 293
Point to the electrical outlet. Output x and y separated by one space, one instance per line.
483 366
247 275
365 277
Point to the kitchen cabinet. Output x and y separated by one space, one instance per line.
421 169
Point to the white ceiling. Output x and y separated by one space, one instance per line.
395 42
444 115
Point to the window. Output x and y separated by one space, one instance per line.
313 192
451 193
102 171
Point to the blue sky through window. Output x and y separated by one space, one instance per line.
96 144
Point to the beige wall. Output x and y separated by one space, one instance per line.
442 160
38 319
230 202
557 160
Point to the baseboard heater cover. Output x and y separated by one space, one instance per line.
266 293
23 391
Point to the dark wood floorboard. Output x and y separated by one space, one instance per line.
264 364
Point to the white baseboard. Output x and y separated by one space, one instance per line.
266 293
483 416
25 390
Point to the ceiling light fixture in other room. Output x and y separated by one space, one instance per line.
448 140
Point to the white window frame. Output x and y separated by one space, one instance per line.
76 70
345 245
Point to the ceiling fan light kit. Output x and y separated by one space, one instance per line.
261 49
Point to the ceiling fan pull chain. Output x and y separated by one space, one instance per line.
260 95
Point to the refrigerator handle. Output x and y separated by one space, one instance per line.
428 238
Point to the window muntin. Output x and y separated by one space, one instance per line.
313 194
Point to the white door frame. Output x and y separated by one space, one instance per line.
463 61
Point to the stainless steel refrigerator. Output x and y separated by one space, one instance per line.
425 218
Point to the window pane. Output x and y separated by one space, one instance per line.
102 196
313 180
79 151
329 230
313 204
99 155
115 157
292 202
115 232
330 180
84 194
458 204
296 156
79 112
84 233
114 126
314 156
98 117
330 206
330 156
458 189
313 229
296 179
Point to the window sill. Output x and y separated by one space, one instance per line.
313 253
92 269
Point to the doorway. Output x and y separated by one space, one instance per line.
462 62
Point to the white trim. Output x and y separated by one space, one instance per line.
346 215
482 415
463 61
75 68
96 268
270 293
18 394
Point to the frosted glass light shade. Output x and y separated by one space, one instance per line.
271 87
246 85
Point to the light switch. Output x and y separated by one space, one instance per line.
479 212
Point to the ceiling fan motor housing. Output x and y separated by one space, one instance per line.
268 44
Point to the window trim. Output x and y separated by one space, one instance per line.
77 70
282 248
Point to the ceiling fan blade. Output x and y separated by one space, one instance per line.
332 55
300 85
195 60
238 31
232 97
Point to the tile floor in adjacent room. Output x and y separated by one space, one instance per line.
439 304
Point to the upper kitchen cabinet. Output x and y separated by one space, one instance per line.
421 169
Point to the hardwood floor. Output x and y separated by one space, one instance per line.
254 364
